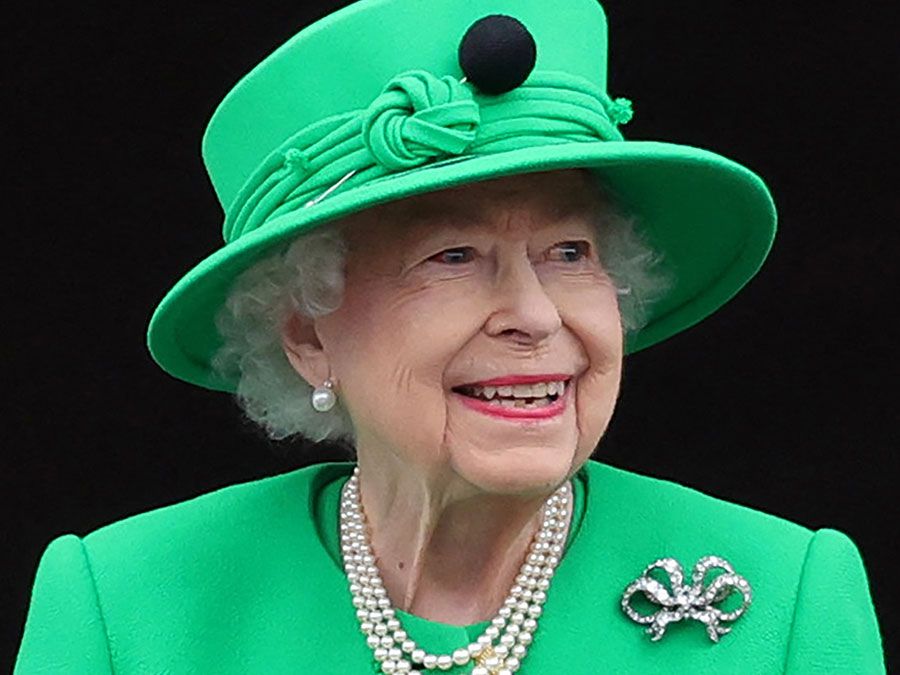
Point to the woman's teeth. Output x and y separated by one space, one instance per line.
520 402
519 395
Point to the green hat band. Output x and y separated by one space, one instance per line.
420 118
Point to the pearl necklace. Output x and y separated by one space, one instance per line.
503 645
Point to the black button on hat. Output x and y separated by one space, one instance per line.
497 54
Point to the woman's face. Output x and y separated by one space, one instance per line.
498 279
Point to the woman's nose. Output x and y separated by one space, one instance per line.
522 304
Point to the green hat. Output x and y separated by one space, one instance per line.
384 99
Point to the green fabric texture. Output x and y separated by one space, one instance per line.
248 579
367 106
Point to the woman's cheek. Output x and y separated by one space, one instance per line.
589 305
591 315
447 314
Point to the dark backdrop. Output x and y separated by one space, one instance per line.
780 401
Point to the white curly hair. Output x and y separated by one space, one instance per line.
307 276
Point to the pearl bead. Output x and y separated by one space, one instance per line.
445 662
430 661
480 670
323 399
460 657
418 655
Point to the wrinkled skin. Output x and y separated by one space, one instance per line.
449 288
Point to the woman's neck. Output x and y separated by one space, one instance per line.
446 554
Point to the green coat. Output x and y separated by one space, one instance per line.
247 579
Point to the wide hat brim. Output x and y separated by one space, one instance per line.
712 219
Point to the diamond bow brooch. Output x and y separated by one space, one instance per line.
678 601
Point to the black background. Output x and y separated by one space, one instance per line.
783 400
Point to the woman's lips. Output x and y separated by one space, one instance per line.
552 410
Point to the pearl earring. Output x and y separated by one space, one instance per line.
323 396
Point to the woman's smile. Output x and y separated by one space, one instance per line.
540 400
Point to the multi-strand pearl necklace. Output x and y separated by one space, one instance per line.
503 645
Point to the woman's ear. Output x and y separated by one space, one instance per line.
303 350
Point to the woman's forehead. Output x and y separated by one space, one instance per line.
544 198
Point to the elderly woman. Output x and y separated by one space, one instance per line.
445 277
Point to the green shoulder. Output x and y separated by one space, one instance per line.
223 517
811 607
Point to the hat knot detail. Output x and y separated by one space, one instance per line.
296 160
419 117
620 110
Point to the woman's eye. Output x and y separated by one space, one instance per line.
452 256
572 251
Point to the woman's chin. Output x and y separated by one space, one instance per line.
523 471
